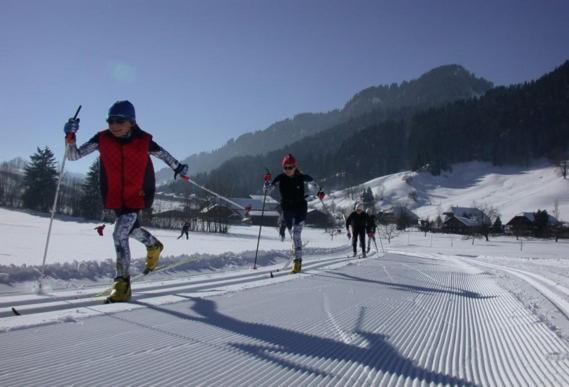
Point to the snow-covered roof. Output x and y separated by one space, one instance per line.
253 203
468 222
267 200
466 212
266 213
531 217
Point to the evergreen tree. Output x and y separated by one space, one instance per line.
367 198
497 227
91 202
541 219
40 181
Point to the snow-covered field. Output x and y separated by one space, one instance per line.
510 190
23 237
434 309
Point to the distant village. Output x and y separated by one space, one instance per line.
207 215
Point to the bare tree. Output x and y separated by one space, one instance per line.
389 231
555 211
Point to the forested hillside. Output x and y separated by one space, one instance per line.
369 108
375 104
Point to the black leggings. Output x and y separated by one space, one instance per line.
361 234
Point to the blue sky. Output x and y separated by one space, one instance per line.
202 72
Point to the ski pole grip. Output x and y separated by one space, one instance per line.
71 136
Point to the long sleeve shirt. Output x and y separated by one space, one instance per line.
292 189
75 153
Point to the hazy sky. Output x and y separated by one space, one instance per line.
202 72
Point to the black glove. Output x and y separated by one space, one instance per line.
181 169
70 128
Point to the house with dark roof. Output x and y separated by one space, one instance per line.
398 215
246 210
465 220
525 223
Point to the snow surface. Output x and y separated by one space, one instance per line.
23 237
511 190
434 310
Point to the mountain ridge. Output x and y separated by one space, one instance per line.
430 89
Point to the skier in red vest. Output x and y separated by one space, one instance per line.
127 184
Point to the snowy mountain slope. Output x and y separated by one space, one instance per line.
396 320
510 190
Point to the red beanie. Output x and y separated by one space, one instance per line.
288 159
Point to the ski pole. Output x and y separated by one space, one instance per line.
68 140
321 198
187 178
380 242
267 180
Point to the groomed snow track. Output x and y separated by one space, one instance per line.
390 321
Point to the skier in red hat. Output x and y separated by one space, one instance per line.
293 203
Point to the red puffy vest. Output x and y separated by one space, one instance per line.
127 173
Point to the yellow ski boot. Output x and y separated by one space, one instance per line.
152 257
120 291
296 266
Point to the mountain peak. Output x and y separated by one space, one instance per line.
440 85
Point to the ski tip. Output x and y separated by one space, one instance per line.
16 312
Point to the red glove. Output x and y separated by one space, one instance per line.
267 178
320 195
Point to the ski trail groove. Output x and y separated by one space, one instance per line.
398 321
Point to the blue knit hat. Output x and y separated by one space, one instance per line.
123 109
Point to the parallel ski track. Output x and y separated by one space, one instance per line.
398 321
548 288
142 290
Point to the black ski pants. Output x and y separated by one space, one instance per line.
359 233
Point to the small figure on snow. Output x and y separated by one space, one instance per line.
185 229
371 229
293 203
358 220
100 229
127 184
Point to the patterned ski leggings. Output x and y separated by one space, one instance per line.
127 226
294 221
295 230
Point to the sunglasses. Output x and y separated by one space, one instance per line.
289 167
119 121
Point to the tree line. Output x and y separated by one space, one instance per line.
34 187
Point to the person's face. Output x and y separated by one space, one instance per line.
119 127
289 170
359 210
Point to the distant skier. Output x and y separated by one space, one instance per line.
358 220
127 184
293 203
100 229
371 228
185 229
